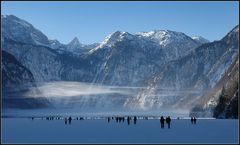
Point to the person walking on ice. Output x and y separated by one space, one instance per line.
195 120
162 121
168 121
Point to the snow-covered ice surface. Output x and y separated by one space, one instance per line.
25 130
85 112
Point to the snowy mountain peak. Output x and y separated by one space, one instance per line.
153 33
16 20
117 36
21 31
200 39
75 42
164 37
161 38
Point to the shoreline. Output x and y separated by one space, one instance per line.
104 117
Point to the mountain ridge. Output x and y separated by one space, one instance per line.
135 60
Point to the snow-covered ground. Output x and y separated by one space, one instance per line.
92 112
26 130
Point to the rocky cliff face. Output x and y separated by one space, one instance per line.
222 100
227 104
22 31
189 76
17 80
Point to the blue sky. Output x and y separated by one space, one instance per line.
93 21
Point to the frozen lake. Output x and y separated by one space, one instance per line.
26 130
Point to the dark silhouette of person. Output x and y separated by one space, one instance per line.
32 118
192 120
195 120
135 119
168 121
70 120
108 119
65 120
162 121
116 119
128 120
123 119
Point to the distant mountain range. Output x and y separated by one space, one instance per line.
158 59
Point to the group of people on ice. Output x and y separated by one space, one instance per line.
168 121
68 120
122 119
193 120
